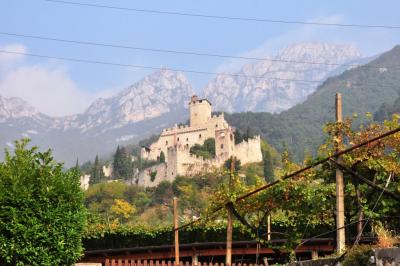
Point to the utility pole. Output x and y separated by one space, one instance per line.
340 230
176 225
228 260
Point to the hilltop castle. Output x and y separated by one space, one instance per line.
175 144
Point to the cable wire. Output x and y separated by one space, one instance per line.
169 51
156 68
237 75
248 19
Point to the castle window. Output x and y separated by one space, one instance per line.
187 139
222 146
166 142
187 146
178 139
216 125
199 136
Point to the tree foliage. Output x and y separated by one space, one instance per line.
122 165
97 174
42 215
207 150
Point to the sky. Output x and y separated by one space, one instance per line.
59 88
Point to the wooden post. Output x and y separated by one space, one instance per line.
228 260
269 227
195 258
176 225
340 230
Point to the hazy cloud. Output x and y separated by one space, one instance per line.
47 86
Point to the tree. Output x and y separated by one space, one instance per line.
207 150
96 174
227 164
122 164
162 157
268 166
42 215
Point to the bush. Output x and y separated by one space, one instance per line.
358 256
42 215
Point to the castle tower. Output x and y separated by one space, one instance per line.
224 143
200 111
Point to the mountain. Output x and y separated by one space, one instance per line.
157 101
157 94
160 100
364 89
14 109
268 86
386 110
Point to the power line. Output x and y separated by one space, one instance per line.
159 50
155 68
248 19
79 60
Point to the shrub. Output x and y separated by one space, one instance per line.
358 256
385 237
42 215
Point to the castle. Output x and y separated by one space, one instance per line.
175 144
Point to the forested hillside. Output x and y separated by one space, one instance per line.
364 89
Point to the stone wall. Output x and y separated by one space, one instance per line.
249 151
387 257
84 180
107 170
144 177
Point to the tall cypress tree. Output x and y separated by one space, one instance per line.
122 164
268 166
97 172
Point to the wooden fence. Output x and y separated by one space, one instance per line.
129 262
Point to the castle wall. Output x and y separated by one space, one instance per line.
144 177
249 151
107 170
84 181
176 142
185 136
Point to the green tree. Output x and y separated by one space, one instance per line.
268 166
238 166
96 175
122 164
162 157
42 215
207 150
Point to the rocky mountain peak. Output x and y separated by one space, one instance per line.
156 94
271 84
14 108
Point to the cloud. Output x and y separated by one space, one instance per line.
46 86
51 91
11 58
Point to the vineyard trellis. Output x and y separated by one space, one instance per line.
332 159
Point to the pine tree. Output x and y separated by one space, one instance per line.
77 168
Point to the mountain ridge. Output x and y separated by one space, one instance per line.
113 121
